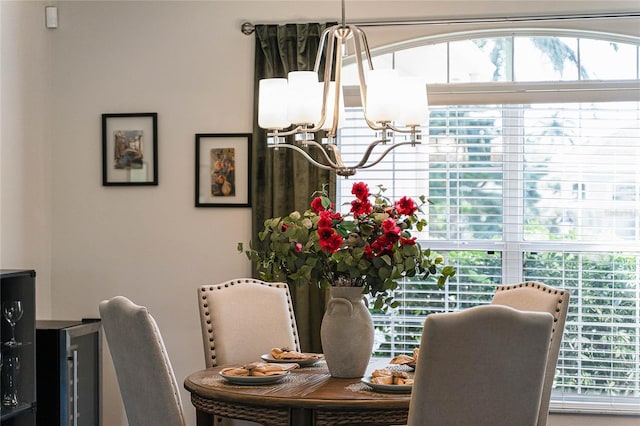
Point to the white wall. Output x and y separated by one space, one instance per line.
25 148
189 62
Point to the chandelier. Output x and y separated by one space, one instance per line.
300 105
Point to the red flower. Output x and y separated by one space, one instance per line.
406 206
360 207
368 252
389 227
325 220
329 241
360 190
316 205
327 217
325 232
407 241
384 244
297 248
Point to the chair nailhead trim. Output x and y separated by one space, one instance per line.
228 284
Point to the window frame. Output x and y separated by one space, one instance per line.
502 93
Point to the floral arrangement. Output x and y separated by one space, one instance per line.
369 247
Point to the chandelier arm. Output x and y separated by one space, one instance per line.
307 156
365 43
368 153
339 42
410 129
277 133
357 36
314 144
392 147
328 65
413 132
328 33
323 40
337 154
358 56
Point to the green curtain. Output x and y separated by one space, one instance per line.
283 181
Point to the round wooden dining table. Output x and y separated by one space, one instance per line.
307 396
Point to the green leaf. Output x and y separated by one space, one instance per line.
396 273
384 273
409 263
272 223
449 271
326 202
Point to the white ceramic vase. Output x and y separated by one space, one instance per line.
347 333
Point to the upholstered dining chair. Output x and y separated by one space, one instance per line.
483 366
535 296
145 376
244 318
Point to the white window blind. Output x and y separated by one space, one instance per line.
545 192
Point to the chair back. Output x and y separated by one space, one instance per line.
148 386
535 296
483 366
244 318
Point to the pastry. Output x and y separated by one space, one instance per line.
401 378
402 359
381 373
235 371
254 369
382 380
264 369
387 377
288 354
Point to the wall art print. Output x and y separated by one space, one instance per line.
130 149
223 170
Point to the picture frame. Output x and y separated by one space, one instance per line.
130 149
223 170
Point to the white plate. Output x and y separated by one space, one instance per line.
254 380
387 388
301 362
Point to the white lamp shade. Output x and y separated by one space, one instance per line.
272 104
329 112
413 107
304 97
382 95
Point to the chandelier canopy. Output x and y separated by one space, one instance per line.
300 105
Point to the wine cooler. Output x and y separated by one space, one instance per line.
69 372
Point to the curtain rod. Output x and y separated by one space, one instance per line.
248 28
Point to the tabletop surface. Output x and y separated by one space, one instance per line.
306 387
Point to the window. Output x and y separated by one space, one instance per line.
529 188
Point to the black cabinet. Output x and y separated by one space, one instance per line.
69 372
18 346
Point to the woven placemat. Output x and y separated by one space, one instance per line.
365 389
318 367
216 380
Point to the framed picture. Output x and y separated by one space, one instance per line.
130 149
223 170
